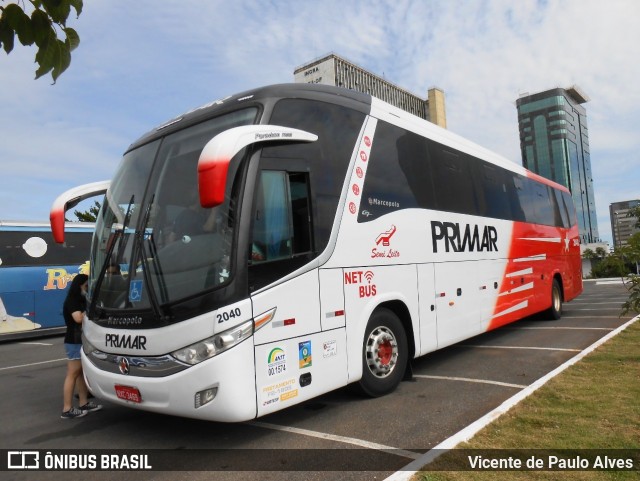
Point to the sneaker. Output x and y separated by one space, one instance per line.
73 413
90 407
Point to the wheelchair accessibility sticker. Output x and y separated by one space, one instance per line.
135 291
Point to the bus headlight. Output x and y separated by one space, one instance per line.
91 351
212 346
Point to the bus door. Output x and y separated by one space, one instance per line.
295 360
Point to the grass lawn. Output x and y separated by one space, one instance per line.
592 405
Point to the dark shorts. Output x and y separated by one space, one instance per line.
73 351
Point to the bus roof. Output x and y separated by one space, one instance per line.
359 101
327 93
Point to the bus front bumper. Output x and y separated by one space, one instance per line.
219 389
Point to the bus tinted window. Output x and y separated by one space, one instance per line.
542 204
493 187
398 175
328 157
453 183
559 212
570 207
406 171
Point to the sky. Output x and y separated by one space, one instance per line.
142 63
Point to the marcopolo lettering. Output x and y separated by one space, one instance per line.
470 238
126 342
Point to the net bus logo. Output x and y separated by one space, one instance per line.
364 281
23 460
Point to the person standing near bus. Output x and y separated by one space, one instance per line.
73 311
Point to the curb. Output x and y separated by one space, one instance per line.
472 429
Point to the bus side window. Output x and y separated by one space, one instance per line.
543 204
492 183
560 211
453 181
281 235
570 207
281 220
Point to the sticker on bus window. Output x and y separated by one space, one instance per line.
135 291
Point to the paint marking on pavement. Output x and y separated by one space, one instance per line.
580 309
466 379
32 364
340 439
35 343
540 328
609 301
522 347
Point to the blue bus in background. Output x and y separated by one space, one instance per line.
35 273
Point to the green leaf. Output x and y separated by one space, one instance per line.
13 14
46 58
58 10
43 70
42 28
62 60
19 22
73 39
6 35
77 4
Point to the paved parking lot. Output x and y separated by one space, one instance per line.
339 432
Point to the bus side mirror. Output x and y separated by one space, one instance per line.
213 164
70 199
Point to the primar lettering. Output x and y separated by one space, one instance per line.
125 342
468 239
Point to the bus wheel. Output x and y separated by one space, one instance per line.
555 311
384 354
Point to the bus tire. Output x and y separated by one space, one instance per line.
384 354
555 311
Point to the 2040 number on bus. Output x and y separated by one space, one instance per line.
228 315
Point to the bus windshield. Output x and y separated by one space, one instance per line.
155 245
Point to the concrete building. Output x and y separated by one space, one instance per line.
622 226
334 70
554 141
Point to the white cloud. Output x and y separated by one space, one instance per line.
142 63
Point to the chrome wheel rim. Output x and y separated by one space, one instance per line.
381 352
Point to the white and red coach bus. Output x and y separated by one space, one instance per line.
275 245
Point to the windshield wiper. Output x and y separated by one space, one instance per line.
109 253
155 305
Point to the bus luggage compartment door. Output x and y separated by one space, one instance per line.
457 297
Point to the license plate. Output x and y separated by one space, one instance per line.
128 393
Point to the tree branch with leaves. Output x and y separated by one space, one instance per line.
46 27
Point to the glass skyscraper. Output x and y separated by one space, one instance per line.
554 140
